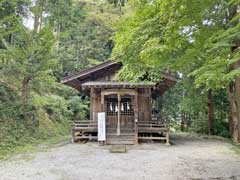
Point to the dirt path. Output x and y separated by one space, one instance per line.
189 158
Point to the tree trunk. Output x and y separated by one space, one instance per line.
10 39
210 112
25 89
58 34
183 116
230 108
36 23
233 90
234 110
234 103
38 16
237 126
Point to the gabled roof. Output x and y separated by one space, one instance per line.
90 74
89 78
88 71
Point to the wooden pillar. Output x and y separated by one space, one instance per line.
150 103
102 102
102 109
119 114
136 111
91 103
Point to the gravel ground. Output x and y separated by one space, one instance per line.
189 157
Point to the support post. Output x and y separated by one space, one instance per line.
102 101
167 138
119 113
73 135
136 116
92 96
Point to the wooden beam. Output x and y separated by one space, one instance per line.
136 115
118 91
91 103
119 111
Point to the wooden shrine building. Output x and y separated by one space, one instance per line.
127 105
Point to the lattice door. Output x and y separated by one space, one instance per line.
126 111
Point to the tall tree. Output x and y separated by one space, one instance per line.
191 37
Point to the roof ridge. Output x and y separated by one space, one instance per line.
93 68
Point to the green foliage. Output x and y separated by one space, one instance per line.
8 102
66 37
185 108
81 44
221 129
79 107
117 2
191 38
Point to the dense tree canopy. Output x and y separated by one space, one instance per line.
181 36
198 40
40 42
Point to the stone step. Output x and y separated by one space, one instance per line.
120 142
118 149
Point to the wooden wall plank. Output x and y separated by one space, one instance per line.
144 104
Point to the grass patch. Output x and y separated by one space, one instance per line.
236 147
34 146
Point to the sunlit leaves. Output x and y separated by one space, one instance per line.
193 37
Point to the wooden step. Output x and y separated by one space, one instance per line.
123 130
120 138
85 137
121 134
153 138
123 138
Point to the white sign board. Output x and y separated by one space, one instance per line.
101 126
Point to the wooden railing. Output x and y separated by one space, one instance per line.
85 124
153 130
146 130
84 130
151 125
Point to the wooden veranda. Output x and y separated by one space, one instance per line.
153 130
